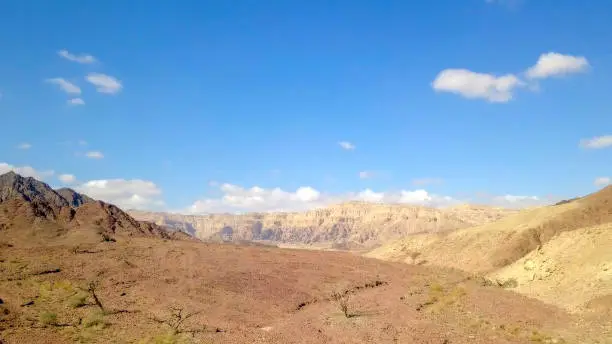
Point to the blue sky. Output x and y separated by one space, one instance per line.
236 106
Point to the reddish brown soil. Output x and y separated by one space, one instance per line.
261 295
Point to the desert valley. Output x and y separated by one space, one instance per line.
74 269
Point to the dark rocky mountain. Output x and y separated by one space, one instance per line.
13 186
74 198
32 212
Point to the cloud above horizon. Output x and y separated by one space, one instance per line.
238 199
125 193
346 145
67 178
554 64
104 83
25 171
501 89
597 142
472 85
94 155
76 101
24 146
65 85
80 58
602 181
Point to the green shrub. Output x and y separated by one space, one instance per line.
96 319
47 318
78 300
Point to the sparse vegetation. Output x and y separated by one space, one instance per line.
95 319
166 338
341 299
47 318
177 319
91 289
78 300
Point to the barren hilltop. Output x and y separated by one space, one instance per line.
352 224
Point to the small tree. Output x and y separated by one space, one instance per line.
341 299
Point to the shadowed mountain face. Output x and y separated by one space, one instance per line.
74 198
41 195
31 213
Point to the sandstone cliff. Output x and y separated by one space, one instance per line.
355 222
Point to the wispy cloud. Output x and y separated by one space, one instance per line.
80 58
366 174
94 155
597 142
346 145
65 85
602 181
24 146
427 181
76 101
104 83
67 178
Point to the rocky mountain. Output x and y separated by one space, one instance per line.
353 223
31 212
74 198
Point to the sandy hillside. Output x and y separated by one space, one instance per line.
574 268
560 254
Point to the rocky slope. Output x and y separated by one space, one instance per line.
32 213
357 223
560 254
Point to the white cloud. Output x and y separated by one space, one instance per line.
81 58
94 155
602 181
25 171
256 199
346 145
76 101
24 146
65 85
472 85
104 83
67 178
126 194
555 64
366 174
597 142
82 143
368 195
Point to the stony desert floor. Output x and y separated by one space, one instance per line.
162 291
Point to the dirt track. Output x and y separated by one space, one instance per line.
261 295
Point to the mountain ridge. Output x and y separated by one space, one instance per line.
31 212
360 223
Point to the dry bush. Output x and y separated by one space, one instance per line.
341 299
177 319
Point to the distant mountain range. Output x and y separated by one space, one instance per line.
31 212
347 225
